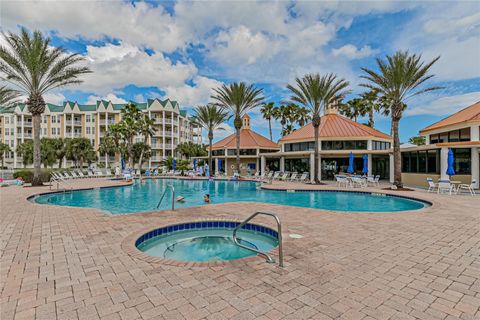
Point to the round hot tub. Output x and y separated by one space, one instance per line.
206 241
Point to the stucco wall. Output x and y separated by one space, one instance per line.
244 161
420 179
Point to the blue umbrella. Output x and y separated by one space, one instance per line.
451 163
220 165
207 170
123 164
174 164
365 164
194 164
350 164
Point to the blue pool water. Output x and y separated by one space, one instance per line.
145 196
207 244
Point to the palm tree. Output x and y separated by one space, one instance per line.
400 77
268 112
34 67
79 150
4 148
7 98
25 150
60 151
129 128
239 98
147 129
316 92
210 117
353 109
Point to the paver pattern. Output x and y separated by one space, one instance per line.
68 263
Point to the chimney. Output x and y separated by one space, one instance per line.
246 122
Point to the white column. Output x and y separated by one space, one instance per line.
172 135
71 124
476 166
14 134
312 167
320 167
163 134
427 139
226 165
475 133
22 136
443 163
391 165
263 164
370 164
369 145
216 167
282 164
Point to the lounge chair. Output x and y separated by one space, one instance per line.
80 174
260 176
108 173
303 178
284 176
74 175
276 175
361 182
99 174
445 185
468 187
90 174
293 177
342 181
432 186
66 175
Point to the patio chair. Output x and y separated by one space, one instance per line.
80 174
342 181
276 175
361 182
284 176
74 175
293 177
376 180
304 177
432 186
444 185
469 187
67 176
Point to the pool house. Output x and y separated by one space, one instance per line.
339 136
459 132
252 144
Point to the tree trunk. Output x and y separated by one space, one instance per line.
37 159
60 163
81 163
370 118
316 126
270 128
397 159
130 153
141 158
210 143
237 158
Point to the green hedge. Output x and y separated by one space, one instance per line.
27 175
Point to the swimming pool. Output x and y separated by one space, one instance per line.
145 196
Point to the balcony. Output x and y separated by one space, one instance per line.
156 146
27 124
77 123
27 136
156 158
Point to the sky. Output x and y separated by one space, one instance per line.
182 49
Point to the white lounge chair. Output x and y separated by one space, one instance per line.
304 177
284 176
90 174
276 175
468 187
74 175
66 175
99 174
445 185
361 182
261 176
342 181
108 173
432 186
293 177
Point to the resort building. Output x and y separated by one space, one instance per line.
72 120
252 145
459 132
339 136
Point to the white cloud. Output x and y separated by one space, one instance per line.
352 52
193 95
54 98
222 132
109 97
445 105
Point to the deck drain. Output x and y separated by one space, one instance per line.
295 236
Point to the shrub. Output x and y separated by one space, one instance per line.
27 175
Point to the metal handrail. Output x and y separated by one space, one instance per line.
261 253
163 196
58 181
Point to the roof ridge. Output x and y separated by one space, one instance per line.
452 115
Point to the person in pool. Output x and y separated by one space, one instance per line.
180 199
206 198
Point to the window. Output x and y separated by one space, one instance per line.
53 131
297 165
427 161
381 145
451 136
218 152
299 146
87 118
88 130
7 131
243 152
462 159
344 145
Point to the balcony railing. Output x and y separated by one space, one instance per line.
77 123
26 124
156 146
156 158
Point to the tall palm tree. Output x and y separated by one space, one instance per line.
316 92
4 148
146 127
210 117
129 128
238 98
268 112
353 109
34 67
7 98
400 77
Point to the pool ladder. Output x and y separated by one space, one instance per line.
58 182
163 196
269 258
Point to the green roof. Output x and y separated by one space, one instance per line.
87 107
55 108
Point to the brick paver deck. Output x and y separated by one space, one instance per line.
69 263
